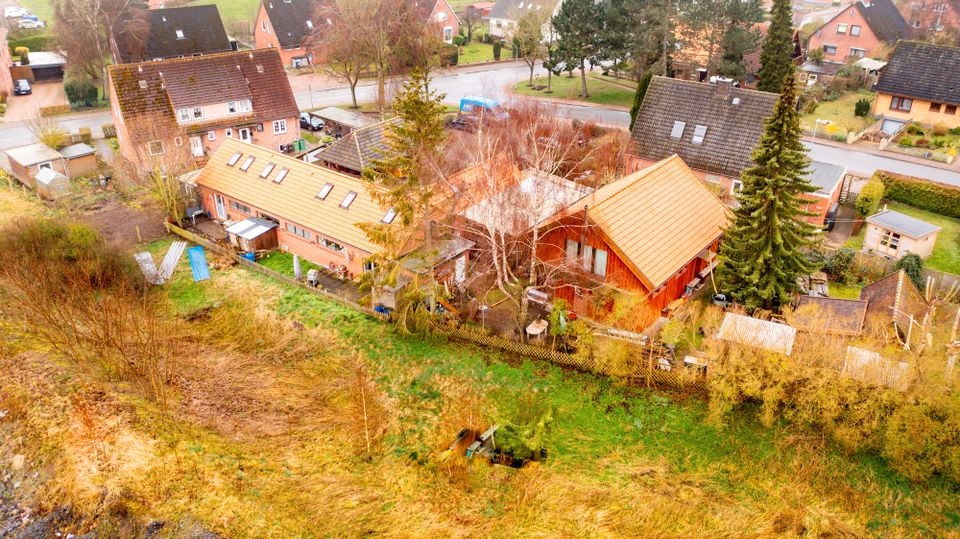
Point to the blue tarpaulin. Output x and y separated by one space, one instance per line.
198 263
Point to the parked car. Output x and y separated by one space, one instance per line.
22 87
12 12
831 218
29 23
311 122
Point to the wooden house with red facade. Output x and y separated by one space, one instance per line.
652 232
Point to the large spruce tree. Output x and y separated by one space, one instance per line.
776 57
762 249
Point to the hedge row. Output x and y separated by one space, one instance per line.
34 43
924 194
55 110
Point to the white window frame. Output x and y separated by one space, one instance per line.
842 29
180 34
211 135
857 27
197 113
231 107
228 132
243 105
279 127
735 187
183 115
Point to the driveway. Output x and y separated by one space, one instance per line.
45 94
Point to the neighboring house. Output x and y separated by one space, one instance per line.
6 61
712 127
356 151
811 73
652 233
893 234
505 15
932 17
920 84
27 162
159 34
178 112
828 179
859 31
895 299
285 25
479 10
751 60
442 17
317 210
830 316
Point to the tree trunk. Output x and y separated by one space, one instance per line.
583 80
353 92
549 81
532 65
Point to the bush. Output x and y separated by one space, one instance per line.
459 41
37 42
922 142
939 129
912 265
24 54
838 265
954 131
906 142
914 129
870 196
449 55
86 136
920 193
81 93
862 108
54 110
497 47
810 106
109 131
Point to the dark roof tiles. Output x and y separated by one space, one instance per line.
358 149
734 122
289 20
884 20
148 35
922 71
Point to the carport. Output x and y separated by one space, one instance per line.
47 66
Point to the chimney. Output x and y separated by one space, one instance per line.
722 89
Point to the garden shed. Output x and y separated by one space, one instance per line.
81 159
27 161
252 234
893 234
757 333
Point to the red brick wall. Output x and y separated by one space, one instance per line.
442 7
925 16
266 38
827 35
308 249
6 79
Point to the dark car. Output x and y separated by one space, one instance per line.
831 217
310 122
22 87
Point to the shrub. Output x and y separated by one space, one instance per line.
915 129
923 142
862 108
912 265
3 109
870 196
24 54
449 55
81 93
920 193
939 129
36 42
497 47
838 265
954 131
86 136
109 131
810 106
54 110
459 41
906 142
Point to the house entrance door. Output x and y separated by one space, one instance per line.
221 206
196 146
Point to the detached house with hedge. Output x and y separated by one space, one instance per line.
920 84
176 113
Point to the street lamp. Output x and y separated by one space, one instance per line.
818 123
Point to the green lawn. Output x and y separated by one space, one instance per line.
614 450
238 10
613 80
476 52
844 291
40 8
946 253
564 87
840 112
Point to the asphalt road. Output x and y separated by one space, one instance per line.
490 81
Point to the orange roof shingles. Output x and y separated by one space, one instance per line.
658 219
295 198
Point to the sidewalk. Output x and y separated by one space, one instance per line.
872 149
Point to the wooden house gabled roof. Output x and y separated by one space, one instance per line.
657 219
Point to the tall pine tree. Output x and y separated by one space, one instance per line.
639 95
763 247
776 57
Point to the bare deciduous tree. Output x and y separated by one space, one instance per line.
85 28
341 46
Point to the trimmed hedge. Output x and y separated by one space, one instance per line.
54 110
109 130
927 195
34 43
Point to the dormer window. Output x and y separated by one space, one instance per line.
183 115
234 158
243 106
232 107
324 191
247 163
180 34
197 113
347 200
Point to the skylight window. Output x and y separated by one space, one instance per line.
390 216
246 164
699 133
310 24
234 158
678 128
324 191
180 34
281 175
347 200
267 170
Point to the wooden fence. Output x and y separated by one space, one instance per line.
644 372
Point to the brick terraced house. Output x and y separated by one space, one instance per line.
181 110
285 25
859 31
160 34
